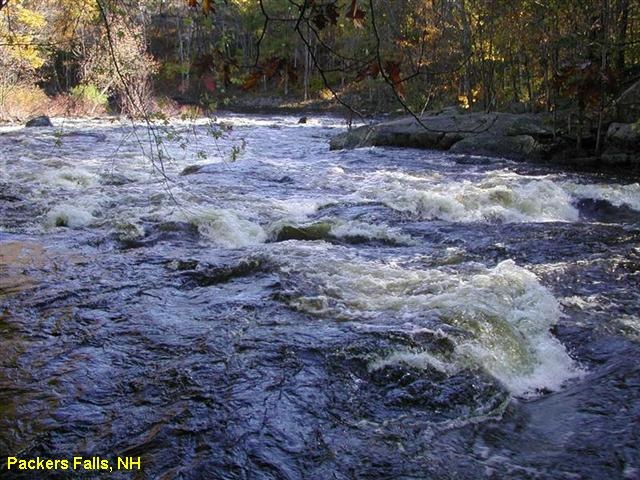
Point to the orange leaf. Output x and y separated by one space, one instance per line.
356 14
251 82
393 71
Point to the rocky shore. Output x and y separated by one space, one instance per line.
534 137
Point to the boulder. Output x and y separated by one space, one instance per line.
628 104
354 138
518 147
41 121
451 110
624 135
622 144
529 125
498 134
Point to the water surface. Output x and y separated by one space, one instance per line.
300 313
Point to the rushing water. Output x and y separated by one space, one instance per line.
300 313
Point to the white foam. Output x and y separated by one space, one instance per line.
70 178
496 198
583 303
617 195
630 326
225 227
67 215
505 311
421 360
346 229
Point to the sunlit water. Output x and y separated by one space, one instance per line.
299 313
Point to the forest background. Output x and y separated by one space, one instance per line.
177 57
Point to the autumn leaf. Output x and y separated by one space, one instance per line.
209 82
269 69
356 14
206 6
393 71
371 70
251 81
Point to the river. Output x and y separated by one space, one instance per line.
282 311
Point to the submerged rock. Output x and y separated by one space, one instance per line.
208 275
98 137
315 231
191 170
41 121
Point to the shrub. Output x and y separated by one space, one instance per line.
20 102
88 95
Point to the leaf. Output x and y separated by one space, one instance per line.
269 69
206 6
209 82
356 14
372 70
393 71
251 81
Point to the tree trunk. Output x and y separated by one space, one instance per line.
623 23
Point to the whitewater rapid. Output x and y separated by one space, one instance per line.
400 291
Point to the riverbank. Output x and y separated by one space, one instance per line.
533 137
540 138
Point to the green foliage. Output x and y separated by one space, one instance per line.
484 54
88 93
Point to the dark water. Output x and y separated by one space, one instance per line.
300 313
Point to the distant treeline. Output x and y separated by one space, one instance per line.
137 55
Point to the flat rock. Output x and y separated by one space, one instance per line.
516 147
498 134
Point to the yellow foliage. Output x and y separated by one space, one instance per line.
29 18
20 28
326 94
70 17
18 102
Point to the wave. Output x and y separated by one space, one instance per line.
503 315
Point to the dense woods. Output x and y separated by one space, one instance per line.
93 56
319 239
